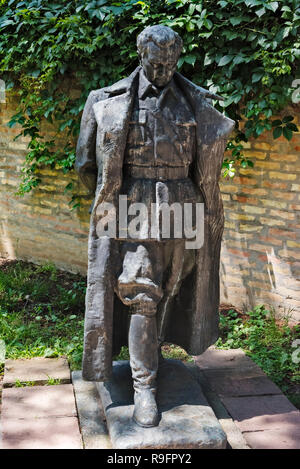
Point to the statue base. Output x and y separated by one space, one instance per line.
186 419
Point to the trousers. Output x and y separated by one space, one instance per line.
149 274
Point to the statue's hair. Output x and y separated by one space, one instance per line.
162 36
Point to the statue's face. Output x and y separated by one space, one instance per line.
159 64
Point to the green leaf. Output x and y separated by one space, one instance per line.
257 76
236 20
208 60
190 26
287 133
287 119
276 123
272 6
292 127
252 3
277 132
225 60
190 59
260 12
238 59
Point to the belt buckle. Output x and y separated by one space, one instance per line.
159 175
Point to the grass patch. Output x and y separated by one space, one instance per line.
23 384
41 312
168 351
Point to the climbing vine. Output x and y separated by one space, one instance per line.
247 51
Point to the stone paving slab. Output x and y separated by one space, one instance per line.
234 435
187 420
38 401
235 438
41 433
240 382
37 370
275 439
266 418
90 412
259 408
214 359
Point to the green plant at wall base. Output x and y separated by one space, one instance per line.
41 312
245 50
268 343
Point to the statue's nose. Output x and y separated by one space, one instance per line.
161 70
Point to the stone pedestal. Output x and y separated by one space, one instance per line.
186 419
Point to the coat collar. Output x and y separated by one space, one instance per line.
123 85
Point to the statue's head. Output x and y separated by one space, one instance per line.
159 49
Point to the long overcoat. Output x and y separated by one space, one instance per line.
193 319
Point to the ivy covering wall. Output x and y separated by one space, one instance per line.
247 51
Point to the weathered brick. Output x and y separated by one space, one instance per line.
269 239
250 172
9 182
256 154
228 188
282 233
260 285
282 214
252 228
271 203
261 276
283 195
272 221
245 180
262 145
237 271
253 209
291 168
229 225
254 190
238 252
293 244
244 199
289 253
274 185
263 257
239 236
240 216
283 157
260 247
267 165
284 176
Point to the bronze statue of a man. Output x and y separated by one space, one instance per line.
155 138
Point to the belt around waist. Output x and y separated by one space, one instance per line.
157 172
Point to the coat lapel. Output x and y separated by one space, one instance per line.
112 116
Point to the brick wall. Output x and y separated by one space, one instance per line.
261 243
260 260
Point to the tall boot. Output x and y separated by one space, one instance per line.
142 343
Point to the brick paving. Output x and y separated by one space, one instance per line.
38 416
266 418
252 410
38 370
